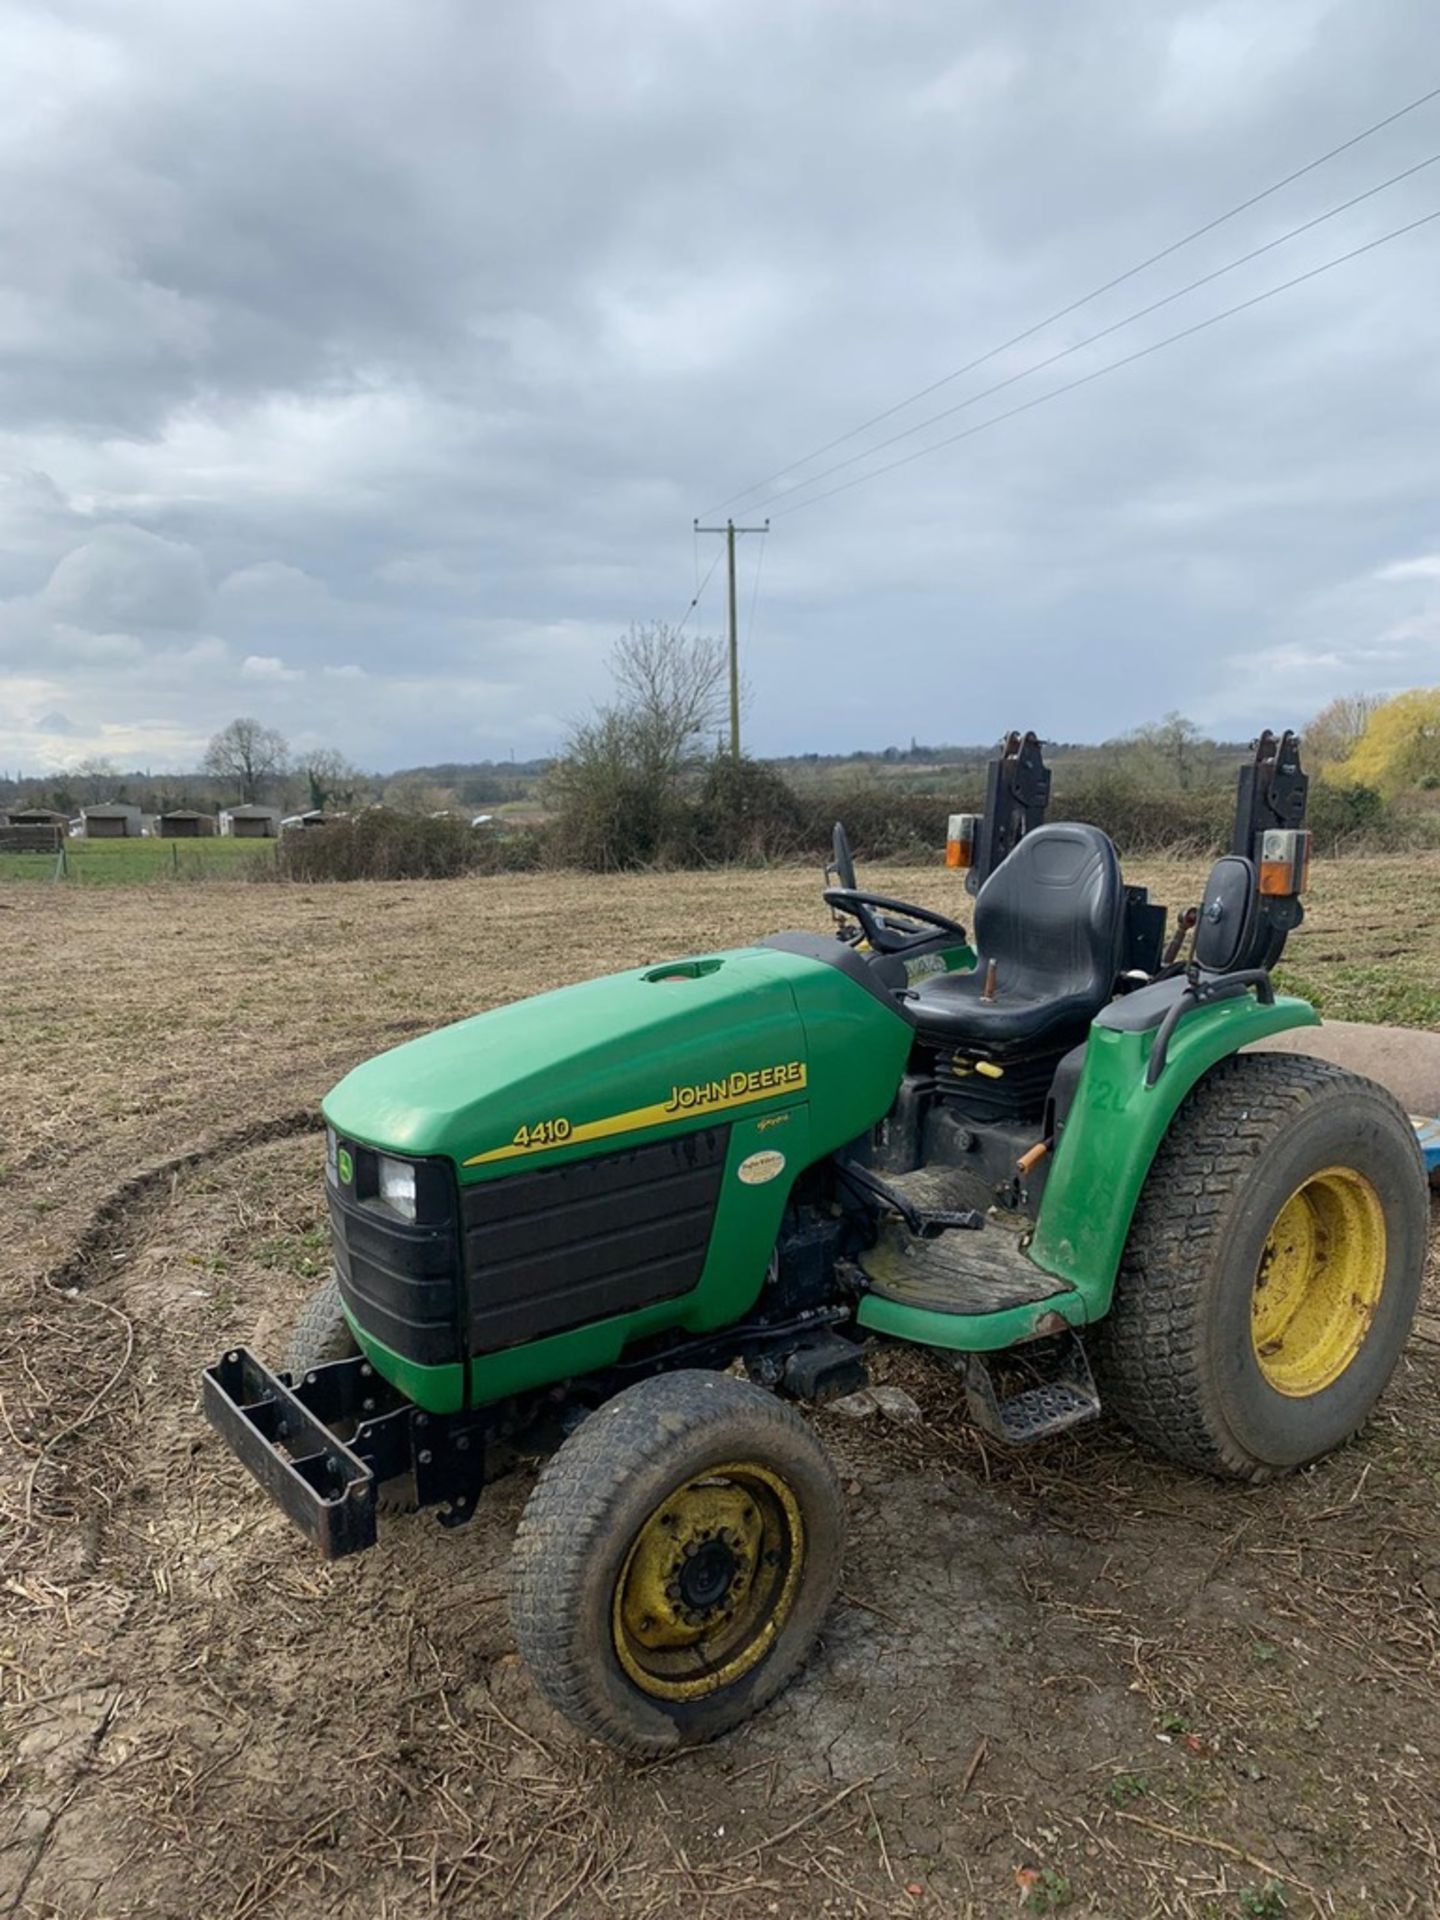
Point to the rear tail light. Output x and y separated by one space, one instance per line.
1284 861
960 837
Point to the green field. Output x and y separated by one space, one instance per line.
124 863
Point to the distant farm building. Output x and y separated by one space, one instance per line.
112 820
250 822
186 823
31 830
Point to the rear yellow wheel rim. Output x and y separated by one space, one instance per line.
708 1583
1319 1282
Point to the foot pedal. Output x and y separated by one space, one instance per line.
1067 1399
924 1222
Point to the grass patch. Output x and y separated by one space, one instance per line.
1384 995
128 863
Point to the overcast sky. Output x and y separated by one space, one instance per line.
363 364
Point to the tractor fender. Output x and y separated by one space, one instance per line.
1114 1128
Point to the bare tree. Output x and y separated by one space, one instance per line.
1171 743
670 689
1337 729
619 786
331 779
96 779
246 755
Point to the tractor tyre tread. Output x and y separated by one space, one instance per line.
581 1515
321 1334
1151 1352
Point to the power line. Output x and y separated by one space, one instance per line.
1078 346
699 591
1113 366
1062 313
755 591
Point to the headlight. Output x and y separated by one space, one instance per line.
332 1171
397 1185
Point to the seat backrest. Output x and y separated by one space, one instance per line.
1052 913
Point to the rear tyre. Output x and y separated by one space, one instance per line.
1272 1270
676 1560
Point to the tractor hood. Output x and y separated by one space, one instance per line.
600 1065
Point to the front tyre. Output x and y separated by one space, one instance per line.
321 1334
676 1560
1272 1270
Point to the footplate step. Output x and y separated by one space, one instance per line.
1066 1399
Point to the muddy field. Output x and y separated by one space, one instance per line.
1073 1677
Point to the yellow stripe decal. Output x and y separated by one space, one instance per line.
655 1116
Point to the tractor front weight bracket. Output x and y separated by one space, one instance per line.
450 1458
288 1435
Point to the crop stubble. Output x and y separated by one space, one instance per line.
1160 1693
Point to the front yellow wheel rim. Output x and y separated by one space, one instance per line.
1319 1282
709 1581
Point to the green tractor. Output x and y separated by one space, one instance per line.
628 1224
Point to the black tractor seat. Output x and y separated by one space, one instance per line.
1049 920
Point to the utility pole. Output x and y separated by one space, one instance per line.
733 625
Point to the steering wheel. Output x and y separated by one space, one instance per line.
872 911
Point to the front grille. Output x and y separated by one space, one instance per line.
554 1249
398 1281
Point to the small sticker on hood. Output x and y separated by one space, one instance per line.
760 1167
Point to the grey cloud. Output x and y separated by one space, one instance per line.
407 341
124 577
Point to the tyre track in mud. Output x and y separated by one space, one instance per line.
110 1223
113 1228
98 1253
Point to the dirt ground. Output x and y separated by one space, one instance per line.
1074 1677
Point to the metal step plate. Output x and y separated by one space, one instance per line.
1067 1398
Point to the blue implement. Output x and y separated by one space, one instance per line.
1427 1132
